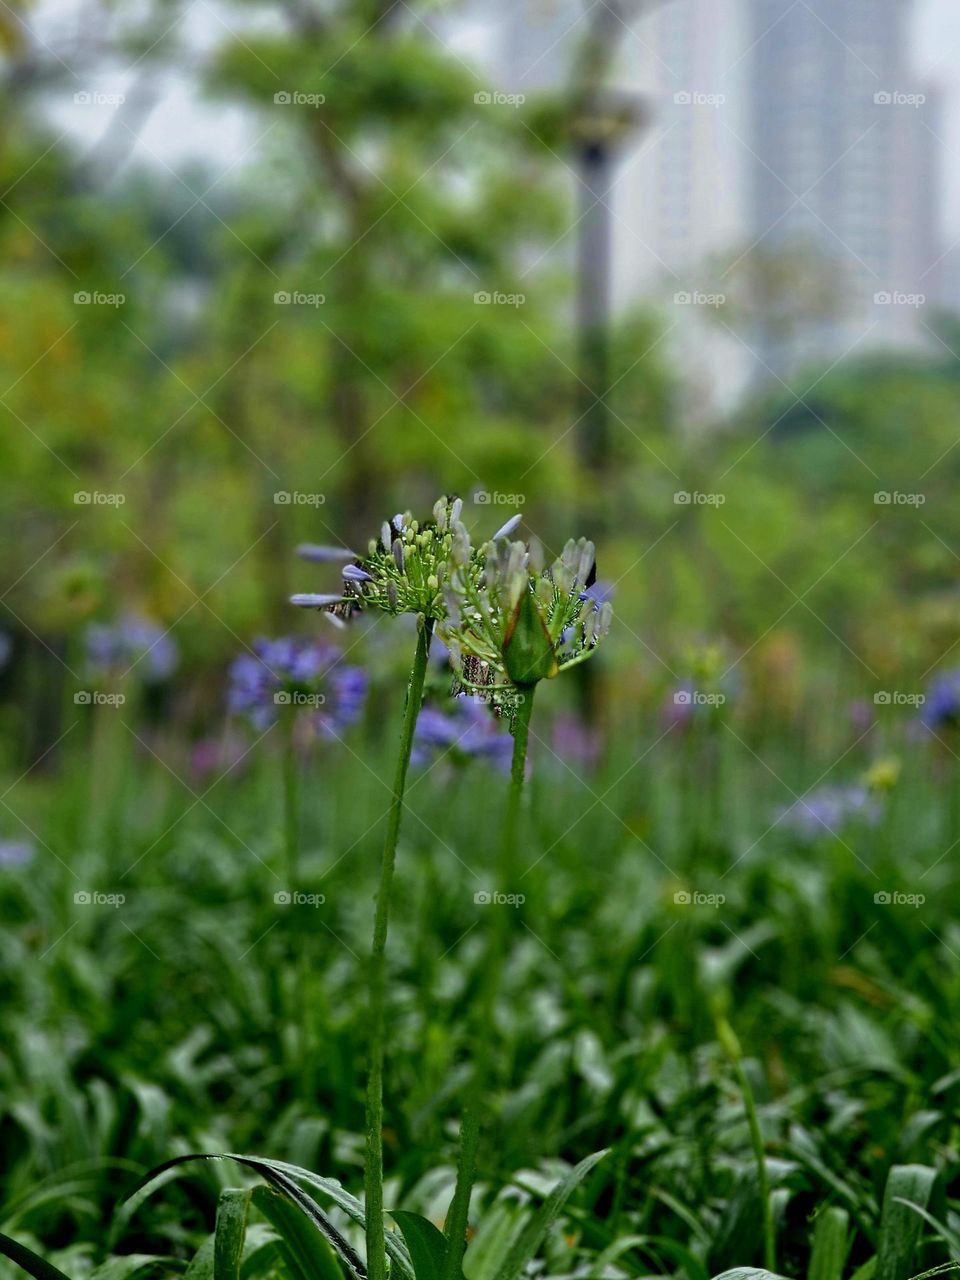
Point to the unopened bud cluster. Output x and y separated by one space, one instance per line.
513 622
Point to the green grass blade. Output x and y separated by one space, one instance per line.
279 1179
351 1206
126 1265
867 1270
533 1233
305 1249
232 1209
900 1226
830 1242
748 1273
948 1233
31 1262
427 1245
200 1266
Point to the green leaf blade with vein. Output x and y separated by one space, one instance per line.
427 1245
533 1234
900 1226
31 1262
231 1229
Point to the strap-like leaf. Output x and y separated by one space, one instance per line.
427 1245
830 1241
351 1206
533 1233
900 1226
747 1273
232 1209
31 1262
306 1251
273 1173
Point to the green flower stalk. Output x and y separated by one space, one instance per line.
406 571
511 624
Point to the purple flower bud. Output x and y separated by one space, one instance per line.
505 530
324 555
398 554
353 573
313 601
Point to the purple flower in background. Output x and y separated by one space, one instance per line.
224 754
942 707
6 648
574 740
861 716
302 673
15 853
828 810
468 731
132 642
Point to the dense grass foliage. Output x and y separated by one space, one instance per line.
683 953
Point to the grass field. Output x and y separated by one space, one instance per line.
718 992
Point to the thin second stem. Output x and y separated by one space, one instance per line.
376 1251
470 1125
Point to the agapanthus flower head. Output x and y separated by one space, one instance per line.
468 731
405 570
942 707
131 642
513 622
298 673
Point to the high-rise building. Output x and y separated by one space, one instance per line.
843 159
788 144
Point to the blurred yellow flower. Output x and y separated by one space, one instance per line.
883 774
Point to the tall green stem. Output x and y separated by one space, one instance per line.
300 1014
291 805
376 1252
457 1218
731 1045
